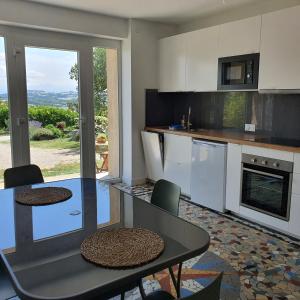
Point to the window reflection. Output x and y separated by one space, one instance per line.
234 110
52 220
7 221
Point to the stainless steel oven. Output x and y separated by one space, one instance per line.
266 185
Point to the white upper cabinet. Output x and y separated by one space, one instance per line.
280 50
172 63
240 37
202 59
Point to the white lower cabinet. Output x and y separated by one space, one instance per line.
233 178
179 173
294 225
178 157
153 155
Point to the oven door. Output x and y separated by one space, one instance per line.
266 190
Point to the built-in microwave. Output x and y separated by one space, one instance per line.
238 72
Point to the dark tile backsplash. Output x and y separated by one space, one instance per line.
276 115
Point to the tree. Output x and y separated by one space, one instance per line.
100 80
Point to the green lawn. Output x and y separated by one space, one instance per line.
59 169
62 143
62 169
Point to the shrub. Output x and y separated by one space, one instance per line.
56 132
52 115
61 125
40 134
3 114
101 124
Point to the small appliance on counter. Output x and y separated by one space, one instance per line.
208 176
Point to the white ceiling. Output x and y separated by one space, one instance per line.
168 11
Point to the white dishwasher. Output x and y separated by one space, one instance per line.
208 175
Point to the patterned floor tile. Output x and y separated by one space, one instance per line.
258 263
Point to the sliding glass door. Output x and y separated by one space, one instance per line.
53 112
65 103
5 148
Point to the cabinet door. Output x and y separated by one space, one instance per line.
280 50
178 157
240 37
172 61
294 225
153 155
233 178
202 59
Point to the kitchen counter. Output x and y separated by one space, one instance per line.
227 136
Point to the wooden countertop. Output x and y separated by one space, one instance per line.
225 136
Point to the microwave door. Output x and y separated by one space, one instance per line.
238 72
235 73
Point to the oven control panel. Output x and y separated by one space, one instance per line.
268 162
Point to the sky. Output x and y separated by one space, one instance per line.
46 69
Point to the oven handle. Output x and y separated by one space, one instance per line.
263 173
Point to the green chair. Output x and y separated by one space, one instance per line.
23 175
166 195
6 289
211 292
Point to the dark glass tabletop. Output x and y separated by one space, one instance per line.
40 245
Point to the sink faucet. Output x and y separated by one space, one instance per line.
189 124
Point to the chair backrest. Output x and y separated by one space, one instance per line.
211 292
166 195
23 175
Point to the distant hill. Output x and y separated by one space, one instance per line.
57 99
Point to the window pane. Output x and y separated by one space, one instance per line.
53 108
5 149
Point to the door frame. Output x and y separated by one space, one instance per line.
16 39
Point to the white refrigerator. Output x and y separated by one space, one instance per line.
208 175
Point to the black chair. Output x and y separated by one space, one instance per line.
211 292
23 175
6 289
166 195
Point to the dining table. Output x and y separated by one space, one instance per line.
40 245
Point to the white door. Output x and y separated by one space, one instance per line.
178 156
240 37
280 50
233 178
172 62
202 59
42 64
153 155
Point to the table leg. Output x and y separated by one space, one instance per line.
141 288
177 281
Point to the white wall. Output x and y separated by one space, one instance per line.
250 10
143 40
35 15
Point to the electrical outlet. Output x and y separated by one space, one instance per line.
250 127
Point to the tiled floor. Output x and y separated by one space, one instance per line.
258 264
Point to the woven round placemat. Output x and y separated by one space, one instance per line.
122 248
43 196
